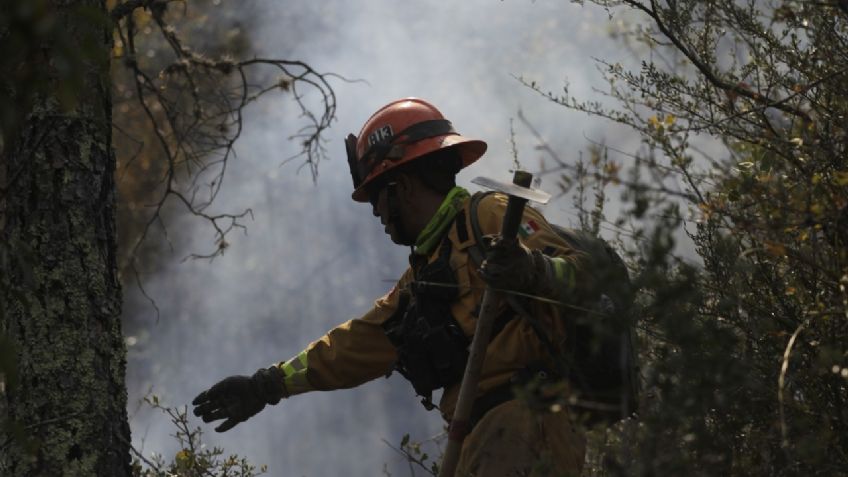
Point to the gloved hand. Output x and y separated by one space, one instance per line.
238 398
509 265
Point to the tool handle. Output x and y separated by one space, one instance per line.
459 425
515 206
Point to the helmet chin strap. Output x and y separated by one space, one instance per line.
394 213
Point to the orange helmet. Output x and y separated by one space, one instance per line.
400 132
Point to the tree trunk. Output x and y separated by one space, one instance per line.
68 408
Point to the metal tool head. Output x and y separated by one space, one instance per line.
536 195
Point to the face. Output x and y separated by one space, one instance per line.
379 199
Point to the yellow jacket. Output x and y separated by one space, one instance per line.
358 351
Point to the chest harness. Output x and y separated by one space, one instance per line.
432 348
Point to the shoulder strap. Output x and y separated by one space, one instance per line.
476 251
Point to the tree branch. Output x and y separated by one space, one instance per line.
708 73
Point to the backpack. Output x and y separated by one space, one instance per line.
601 363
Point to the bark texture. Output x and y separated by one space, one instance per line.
68 408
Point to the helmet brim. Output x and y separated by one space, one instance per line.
469 151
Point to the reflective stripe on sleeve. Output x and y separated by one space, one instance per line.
295 370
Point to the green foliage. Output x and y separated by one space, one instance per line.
415 453
742 110
193 459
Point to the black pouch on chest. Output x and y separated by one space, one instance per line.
432 349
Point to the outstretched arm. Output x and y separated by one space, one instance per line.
349 355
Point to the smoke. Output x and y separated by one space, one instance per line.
311 257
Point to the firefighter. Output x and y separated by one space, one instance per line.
404 163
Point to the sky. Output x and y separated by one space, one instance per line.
311 257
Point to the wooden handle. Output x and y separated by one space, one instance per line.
459 425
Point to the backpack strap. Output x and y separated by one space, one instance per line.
477 252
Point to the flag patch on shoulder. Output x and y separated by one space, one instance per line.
528 228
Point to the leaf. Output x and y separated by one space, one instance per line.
776 249
183 456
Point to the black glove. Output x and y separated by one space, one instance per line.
238 398
509 265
